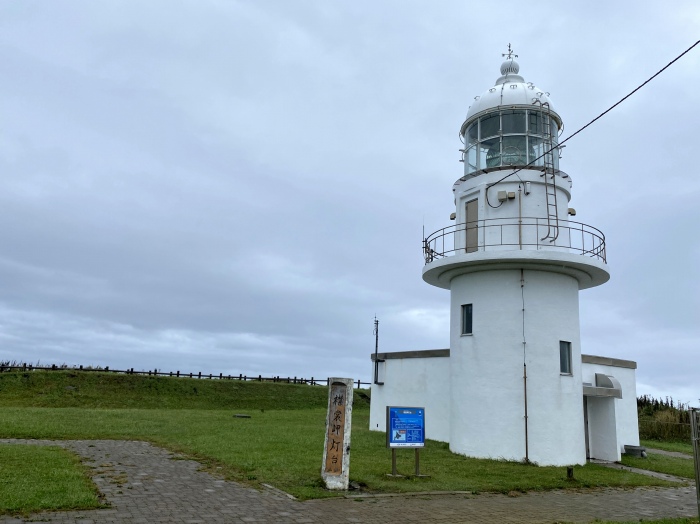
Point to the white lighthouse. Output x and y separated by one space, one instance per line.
512 384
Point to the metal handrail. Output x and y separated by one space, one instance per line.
575 237
24 367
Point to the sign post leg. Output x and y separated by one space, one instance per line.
418 465
393 462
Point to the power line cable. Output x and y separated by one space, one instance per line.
632 92
596 118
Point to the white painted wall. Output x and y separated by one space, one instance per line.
602 429
488 408
495 213
487 393
626 421
419 382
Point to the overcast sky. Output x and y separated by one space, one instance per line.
239 187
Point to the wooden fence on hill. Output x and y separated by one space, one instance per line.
155 373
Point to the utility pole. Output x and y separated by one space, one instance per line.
376 350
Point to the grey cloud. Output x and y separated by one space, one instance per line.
243 186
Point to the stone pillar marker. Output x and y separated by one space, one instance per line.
336 452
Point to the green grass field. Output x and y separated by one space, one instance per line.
678 467
680 520
284 448
281 444
36 478
83 389
680 447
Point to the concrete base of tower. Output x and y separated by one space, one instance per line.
515 371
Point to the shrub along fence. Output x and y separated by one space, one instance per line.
662 419
659 430
7 366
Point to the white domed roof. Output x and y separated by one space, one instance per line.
510 90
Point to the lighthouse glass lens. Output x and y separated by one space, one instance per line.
514 148
473 133
510 137
513 122
490 126
492 148
555 132
470 159
534 122
536 151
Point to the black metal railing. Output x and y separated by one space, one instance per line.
524 233
7 367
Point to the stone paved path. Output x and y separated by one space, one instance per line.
144 484
677 454
649 473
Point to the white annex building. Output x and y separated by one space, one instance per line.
514 383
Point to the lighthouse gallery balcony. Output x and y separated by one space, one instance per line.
520 242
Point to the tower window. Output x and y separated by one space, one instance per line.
466 319
564 357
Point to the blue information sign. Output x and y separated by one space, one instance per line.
405 427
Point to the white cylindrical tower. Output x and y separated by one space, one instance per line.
514 263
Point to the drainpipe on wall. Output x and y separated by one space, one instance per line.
527 454
376 350
522 293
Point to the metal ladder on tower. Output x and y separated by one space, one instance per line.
550 186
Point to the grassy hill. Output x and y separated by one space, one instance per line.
90 389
